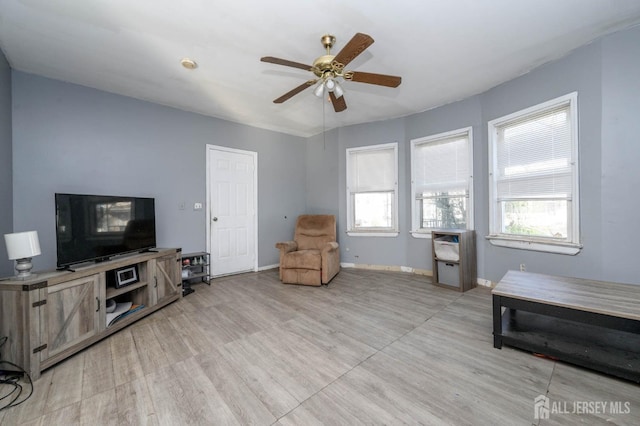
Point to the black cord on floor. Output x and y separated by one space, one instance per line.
12 379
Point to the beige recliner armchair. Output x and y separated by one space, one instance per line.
313 258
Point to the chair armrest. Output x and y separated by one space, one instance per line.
330 254
329 247
287 246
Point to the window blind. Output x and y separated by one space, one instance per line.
442 165
533 157
372 170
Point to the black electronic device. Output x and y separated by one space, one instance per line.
97 227
123 277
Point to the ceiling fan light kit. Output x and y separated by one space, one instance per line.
331 85
329 68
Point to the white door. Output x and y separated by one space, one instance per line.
231 204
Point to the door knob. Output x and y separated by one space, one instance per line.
215 219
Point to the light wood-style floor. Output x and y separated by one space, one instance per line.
371 348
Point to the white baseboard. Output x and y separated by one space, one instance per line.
408 269
481 281
267 267
486 283
391 268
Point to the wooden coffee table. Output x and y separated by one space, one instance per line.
593 324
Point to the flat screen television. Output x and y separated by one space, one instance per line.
97 227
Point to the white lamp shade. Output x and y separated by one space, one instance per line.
330 84
338 91
21 245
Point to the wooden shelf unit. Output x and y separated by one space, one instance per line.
460 274
53 315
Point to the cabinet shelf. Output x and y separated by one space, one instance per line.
455 262
114 292
129 319
197 275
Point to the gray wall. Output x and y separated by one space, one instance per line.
604 74
449 117
579 72
6 188
374 250
322 177
69 138
620 174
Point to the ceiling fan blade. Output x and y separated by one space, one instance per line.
286 63
353 48
339 104
293 92
372 78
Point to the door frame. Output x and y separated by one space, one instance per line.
210 148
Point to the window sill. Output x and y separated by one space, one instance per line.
427 234
372 233
535 245
421 234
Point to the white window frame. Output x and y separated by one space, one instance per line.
372 232
571 245
416 220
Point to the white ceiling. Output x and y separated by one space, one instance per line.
445 50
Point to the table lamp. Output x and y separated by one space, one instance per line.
21 247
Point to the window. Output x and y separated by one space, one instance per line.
372 190
442 182
533 163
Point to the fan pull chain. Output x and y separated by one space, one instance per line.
324 126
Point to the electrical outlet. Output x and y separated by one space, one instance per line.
523 267
197 206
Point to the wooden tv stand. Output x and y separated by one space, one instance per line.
53 315
593 324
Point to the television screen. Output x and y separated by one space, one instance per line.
96 227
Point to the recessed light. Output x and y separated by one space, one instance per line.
189 64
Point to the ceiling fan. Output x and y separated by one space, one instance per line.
329 69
